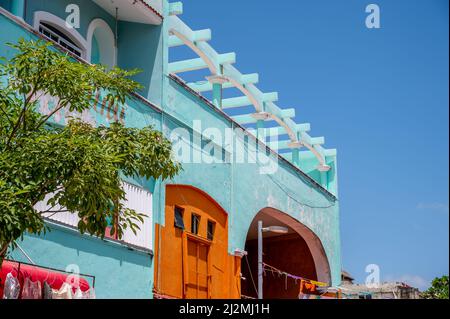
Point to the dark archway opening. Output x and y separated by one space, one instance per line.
288 253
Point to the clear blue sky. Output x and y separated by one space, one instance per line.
379 96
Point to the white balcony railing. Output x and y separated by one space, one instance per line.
136 198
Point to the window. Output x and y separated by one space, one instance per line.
178 223
210 230
195 223
59 37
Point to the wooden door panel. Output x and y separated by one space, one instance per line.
197 262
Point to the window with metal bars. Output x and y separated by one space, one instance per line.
59 37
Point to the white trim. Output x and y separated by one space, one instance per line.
99 23
47 17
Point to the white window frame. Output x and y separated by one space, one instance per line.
60 24
109 37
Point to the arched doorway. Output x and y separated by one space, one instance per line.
191 249
297 252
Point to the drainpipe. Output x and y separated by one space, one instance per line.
18 8
116 31
260 260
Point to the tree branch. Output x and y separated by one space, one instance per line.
7 117
22 113
58 108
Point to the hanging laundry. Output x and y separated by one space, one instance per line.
79 294
318 283
31 290
11 288
47 291
65 292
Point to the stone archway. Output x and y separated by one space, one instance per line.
298 252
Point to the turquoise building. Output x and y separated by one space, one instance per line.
246 153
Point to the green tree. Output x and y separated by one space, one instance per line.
78 166
438 290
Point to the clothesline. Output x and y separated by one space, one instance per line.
19 263
283 273
21 280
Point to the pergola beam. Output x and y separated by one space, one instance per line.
284 144
187 65
175 8
199 63
271 132
226 58
206 86
245 100
196 36
220 65
307 155
250 118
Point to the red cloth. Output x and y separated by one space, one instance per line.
35 273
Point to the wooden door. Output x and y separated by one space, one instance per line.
197 284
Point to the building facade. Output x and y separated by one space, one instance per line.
239 167
386 290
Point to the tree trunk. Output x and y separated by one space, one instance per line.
3 251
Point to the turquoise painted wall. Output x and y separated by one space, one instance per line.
119 272
95 55
239 188
140 47
5 4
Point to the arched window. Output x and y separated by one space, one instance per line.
54 28
57 36
101 43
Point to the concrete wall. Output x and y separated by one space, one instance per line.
140 47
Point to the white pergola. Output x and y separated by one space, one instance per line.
224 75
